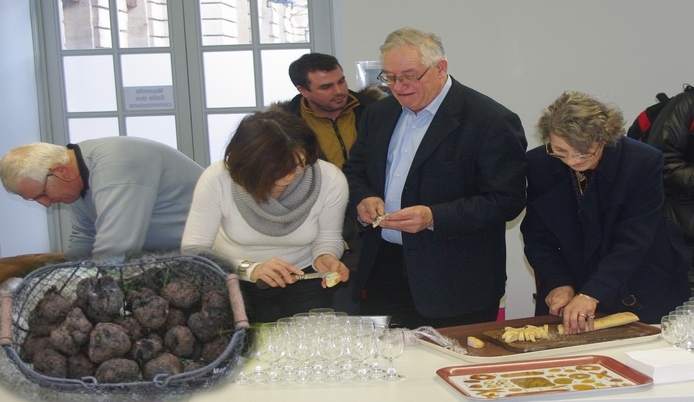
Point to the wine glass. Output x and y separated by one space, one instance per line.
375 368
284 326
271 349
318 317
301 347
331 347
391 344
361 347
688 309
679 324
241 378
348 324
321 311
666 331
258 373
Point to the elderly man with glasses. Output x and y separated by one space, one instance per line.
436 172
126 194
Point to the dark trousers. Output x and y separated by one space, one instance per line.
387 292
271 304
342 299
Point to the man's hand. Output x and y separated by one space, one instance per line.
370 208
410 220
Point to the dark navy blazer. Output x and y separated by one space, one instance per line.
616 245
470 170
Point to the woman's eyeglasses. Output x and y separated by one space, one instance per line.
566 155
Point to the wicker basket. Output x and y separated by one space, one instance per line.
18 304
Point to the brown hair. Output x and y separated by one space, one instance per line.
266 147
581 121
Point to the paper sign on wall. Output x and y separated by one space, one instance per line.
149 98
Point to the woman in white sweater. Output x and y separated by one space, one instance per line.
271 209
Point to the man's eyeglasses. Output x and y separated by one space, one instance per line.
405 79
565 155
44 191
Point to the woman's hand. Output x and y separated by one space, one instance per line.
558 298
579 312
276 273
328 263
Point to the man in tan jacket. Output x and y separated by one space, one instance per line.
333 112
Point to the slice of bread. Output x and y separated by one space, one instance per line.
475 342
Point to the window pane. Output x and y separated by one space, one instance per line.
225 22
85 24
276 83
89 83
220 128
283 21
156 128
147 81
141 70
88 129
143 23
229 79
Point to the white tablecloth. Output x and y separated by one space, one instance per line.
418 364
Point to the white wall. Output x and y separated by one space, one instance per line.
525 53
23 225
522 53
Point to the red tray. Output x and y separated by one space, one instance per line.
562 377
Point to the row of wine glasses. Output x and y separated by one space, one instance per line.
323 346
677 328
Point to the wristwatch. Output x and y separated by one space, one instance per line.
243 267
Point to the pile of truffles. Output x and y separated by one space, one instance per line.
121 336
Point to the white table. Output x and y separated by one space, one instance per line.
418 364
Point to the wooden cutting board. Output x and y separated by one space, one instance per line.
494 350
555 340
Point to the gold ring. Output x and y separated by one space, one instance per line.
591 317
582 315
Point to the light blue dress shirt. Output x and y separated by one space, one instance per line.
408 134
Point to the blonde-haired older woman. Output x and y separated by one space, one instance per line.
594 232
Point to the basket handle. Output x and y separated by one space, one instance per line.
5 318
237 305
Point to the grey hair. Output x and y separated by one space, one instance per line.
429 44
30 161
581 121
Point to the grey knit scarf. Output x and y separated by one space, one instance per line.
279 217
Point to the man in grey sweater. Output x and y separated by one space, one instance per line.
126 194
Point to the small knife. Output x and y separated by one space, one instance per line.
261 284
